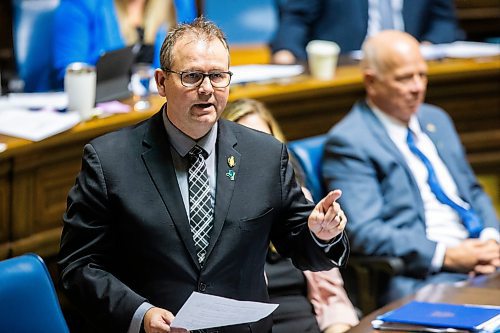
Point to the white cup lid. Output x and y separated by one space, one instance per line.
79 68
322 47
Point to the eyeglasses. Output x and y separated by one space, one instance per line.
195 79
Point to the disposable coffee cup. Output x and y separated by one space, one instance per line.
322 57
80 86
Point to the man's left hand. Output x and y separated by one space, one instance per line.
327 220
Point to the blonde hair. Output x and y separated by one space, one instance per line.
156 13
243 107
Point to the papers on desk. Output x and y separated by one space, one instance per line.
36 125
33 116
452 50
55 100
203 311
459 50
263 73
440 317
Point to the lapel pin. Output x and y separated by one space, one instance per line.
431 127
231 162
230 174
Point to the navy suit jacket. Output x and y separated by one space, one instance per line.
127 240
346 23
380 195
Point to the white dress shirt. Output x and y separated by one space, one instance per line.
374 25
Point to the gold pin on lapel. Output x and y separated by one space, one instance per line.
231 162
431 127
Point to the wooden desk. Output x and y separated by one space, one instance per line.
35 177
481 290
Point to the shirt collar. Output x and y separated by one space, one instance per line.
183 143
395 126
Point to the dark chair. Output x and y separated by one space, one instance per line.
28 300
369 273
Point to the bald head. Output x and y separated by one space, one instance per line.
394 73
382 51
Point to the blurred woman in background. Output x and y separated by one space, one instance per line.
85 29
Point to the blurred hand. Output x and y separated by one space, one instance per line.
337 328
283 57
489 258
473 255
327 220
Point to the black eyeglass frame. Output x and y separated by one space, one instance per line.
181 74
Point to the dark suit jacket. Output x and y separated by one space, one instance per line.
380 195
346 23
127 239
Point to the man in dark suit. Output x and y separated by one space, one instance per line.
425 207
348 23
186 202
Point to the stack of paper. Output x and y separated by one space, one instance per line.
259 73
36 125
460 49
35 116
440 317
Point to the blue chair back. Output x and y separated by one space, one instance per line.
309 153
28 301
32 30
244 22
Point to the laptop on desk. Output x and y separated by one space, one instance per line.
113 74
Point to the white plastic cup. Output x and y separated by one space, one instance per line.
80 86
322 57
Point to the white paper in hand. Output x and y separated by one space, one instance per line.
206 311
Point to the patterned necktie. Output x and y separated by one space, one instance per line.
200 201
385 12
469 218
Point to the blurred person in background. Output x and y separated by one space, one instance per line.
85 29
348 23
409 191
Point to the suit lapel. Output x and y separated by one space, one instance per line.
378 129
226 154
159 164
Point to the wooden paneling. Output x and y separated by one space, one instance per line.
479 18
42 181
5 191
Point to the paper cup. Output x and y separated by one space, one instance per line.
80 86
322 57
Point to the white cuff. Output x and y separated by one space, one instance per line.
490 233
438 258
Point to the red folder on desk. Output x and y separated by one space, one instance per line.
432 316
